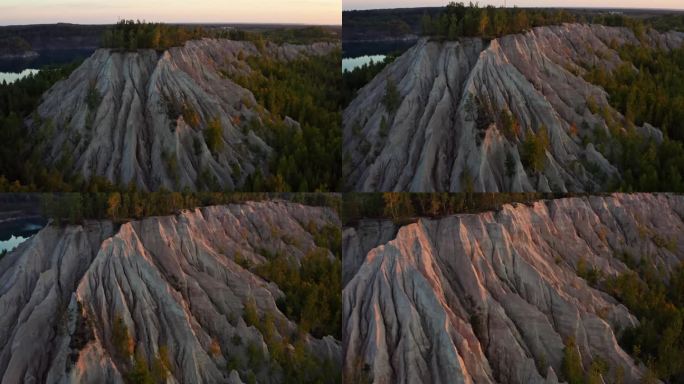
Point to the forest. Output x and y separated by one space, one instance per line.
658 303
404 207
130 204
21 165
131 35
13 45
353 80
307 158
458 20
312 290
647 88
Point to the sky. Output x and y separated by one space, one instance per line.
374 4
327 12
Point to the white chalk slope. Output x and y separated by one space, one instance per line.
491 297
135 133
435 141
173 280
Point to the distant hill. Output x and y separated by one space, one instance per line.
384 24
55 36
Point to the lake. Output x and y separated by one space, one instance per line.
45 57
16 68
358 53
16 232
11 77
348 64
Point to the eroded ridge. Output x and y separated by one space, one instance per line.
493 297
450 131
84 304
141 117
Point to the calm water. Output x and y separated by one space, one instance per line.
369 48
12 243
356 54
15 233
348 64
12 70
11 77
45 57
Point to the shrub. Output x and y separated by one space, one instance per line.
384 127
533 151
93 98
213 134
121 339
190 116
215 348
572 363
392 98
509 126
249 313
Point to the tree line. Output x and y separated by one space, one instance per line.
403 207
13 45
460 20
75 208
132 35
135 34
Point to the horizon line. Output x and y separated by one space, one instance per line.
544 7
178 22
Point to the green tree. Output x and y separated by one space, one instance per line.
213 135
114 205
571 366
121 338
533 149
249 313
426 24
392 98
140 373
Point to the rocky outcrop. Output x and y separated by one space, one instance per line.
448 131
174 283
492 297
121 115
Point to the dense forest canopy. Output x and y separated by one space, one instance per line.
647 88
402 207
135 34
378 24
132 35
459 20
13 45
55 36
353 80
21 167
307 90
130 204
656 298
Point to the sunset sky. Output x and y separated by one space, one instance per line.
109 11
372 4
